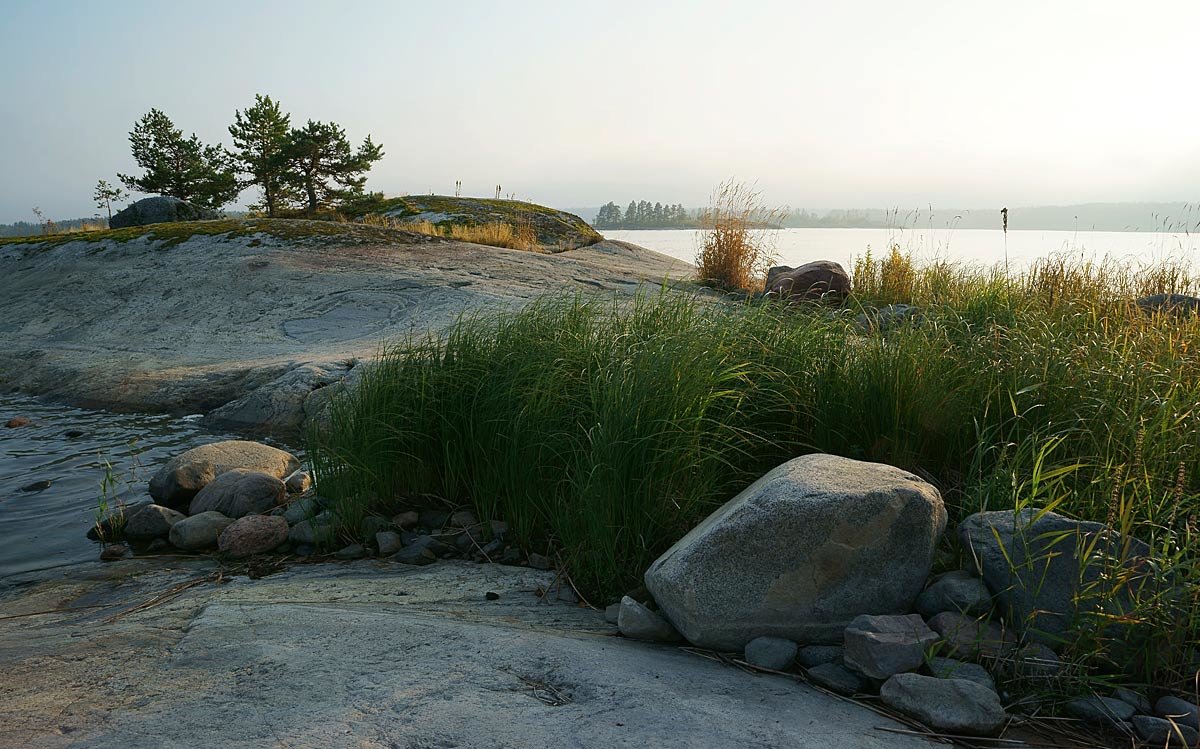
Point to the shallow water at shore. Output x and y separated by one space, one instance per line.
44 528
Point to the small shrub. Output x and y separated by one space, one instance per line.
737 238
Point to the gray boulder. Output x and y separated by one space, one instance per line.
640 623
186 474
316 531
958 591
1181 711
239 492
388 542
955 706
278 407
1159 732
822 279
968 637
151 522
770 652
302 509
948 668
880 646
812 544
1105 710
1045 570
1181 305
158 210
199 531
837 678
252 534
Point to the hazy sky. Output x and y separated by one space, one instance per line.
880 103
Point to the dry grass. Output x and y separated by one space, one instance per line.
737 241
495 234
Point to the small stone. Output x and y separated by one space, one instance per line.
298 483
540 562
640 623
113 552
373 524
1181 711
1106 710
948 668
838 678
880 646
317 531
151 522
199 531
1035 660
774 653
434 546
388 542
303 550
406 520
967 637
158 545
463 519
815 655
414 555
252 534
37 486
612 612
73 433
510 556
1160 732
302 509
958 591
956 706
492 595
1138 701
353 551
17 421
434 520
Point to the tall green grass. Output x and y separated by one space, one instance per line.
603 429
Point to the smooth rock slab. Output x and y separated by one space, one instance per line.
955 706
770 652
151 522
199 531
800 553
880 646
186 474
252 534
239 492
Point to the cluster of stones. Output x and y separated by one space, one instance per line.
245 498
824 564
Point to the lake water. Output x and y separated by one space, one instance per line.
47 528
975 246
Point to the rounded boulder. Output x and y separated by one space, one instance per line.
252 534
800 553
239 492
177 482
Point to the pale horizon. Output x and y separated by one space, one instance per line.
866 105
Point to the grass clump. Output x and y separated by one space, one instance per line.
604 430
494 233
737 238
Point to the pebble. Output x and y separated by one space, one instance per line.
17 421
353 551
414 555
406 520
492 595
36 486
774 653
388 542
640 623
113 552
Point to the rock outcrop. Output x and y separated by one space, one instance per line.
800 553
160 209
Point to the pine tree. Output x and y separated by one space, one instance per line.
180 167
324 166
106 194
260 137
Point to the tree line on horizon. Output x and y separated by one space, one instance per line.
305 169
641 214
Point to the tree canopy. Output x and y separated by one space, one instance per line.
180 167
323 165
260 140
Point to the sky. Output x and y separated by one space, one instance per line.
821 104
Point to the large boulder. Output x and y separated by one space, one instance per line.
817 280
159 210
1046 570
239 492
800 553
954 706
151 522
199 531
187 473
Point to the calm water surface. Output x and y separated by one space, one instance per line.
975 246
47 528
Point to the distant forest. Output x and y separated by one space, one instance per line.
641 214
30 228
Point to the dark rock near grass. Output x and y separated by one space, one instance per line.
880 646
640 623
239 492
151 522
418 555
958 591
955 706
837 678
406 520
887 318
1159 732
177 482
160 209
949 668
800 553
434 520
1035 566
822 279
1138 701
200 531
612 612
298 483
970 637
1174 304
318 531
302 509
1104 710
815 655
1181 711
774 653
113 552
1033 660
463 519
252 534
353 551
422 541
540 562
388 542
373 524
